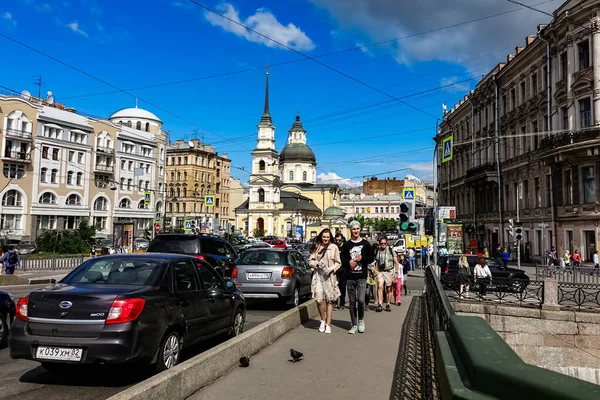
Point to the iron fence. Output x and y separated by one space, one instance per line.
439 309
569 274
50 264
579 296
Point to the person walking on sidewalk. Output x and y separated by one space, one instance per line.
387 263
10 260
340 274
324 260
356 255
411 258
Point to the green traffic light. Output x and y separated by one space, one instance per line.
404 226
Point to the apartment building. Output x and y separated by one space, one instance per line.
195 170
377 207
60 167
528 138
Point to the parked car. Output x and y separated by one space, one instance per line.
304 249
26 247
7 315
217 251
510 278
126 308
277 243
267 273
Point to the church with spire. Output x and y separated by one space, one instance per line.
284 197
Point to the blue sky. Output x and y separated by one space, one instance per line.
139 43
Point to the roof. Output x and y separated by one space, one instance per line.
134 112
334 212
65 116
291 202
297 152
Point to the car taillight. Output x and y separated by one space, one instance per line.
287 273
126 310
200 257
446 270
234 273
21 312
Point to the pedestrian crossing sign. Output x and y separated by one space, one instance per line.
209 201
157 217
408 194
188 224
147 198
447 149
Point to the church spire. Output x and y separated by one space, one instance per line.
266 117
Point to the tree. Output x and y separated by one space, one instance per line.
68 241
359 218
258 232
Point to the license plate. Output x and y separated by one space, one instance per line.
259 275
59 353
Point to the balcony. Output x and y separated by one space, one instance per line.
18 133
568 138
104 149
482 173
104 168
17 156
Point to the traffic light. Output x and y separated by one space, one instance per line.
404 216
412 227
519 231
511 227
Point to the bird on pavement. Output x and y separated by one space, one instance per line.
244 362
296 355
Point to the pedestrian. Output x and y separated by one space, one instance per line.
340 274
464 276
93 252
483 276
567 258
411 258
576 259
505 257
387 264
10 260
356 255
596 265
325 261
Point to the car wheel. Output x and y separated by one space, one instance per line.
295 298
4 329
237 324
518 286
168 354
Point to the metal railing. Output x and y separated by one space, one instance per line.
439 309
18 133
50 264
17 155
569 274
579 296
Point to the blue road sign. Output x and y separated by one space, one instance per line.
188 224
408 194
209 200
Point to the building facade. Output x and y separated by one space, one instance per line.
526 142
195 170
60 167
377 207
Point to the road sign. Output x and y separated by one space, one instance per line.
447 149
147 197
157 228
446 212
209 201
188 224
408 194
157 217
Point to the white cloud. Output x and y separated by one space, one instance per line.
332 177
9 20
74 26
422 171
182 4
456 86
365 50
264 22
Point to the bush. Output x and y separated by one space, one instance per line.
72 241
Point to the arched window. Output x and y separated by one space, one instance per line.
138 126
12 198
261 195
129 181
79 178
53 175
304 176
73 200
101 204
129 124
47 198
159 207
177 207
291 175
142 204
125 203
178 192
44 175
261 166
122 183
148 129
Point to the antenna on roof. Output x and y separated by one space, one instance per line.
38 82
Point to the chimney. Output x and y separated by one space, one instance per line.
509 57
529 39
519 49
460 102
541 27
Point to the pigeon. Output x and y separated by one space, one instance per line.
244 362
296 355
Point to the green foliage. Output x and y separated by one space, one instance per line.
258 232
385 225
359 218
71 241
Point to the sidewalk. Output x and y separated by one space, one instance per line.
335 366
32 277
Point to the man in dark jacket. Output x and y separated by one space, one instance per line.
356 254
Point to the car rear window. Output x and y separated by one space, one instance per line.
115 270
263 258
183 244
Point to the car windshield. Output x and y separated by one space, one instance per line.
114 270
183 244
263 258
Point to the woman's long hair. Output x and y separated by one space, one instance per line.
463 263
319 240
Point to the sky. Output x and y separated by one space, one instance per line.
368 78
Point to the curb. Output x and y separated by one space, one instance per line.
185 379
10 280
39 281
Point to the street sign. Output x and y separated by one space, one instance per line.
157 217
188 224
157 228
446 212
408 194
147 197
447 149
209 201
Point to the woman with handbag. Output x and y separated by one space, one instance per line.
325 260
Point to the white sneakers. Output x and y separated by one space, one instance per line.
324 328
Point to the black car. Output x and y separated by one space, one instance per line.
7 315
217 251
126 308
511 278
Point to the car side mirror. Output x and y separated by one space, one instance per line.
230 285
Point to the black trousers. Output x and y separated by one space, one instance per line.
341 277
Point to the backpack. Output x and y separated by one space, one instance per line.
13 258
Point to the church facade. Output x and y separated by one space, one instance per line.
284 198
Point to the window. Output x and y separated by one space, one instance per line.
261 166
589 184
147 185
125 203
504 109
538 192
70 177
123 165
129 182
122 184
47 222
53 175
261 195
565 117
73 200
291 176
44 175
72 222
12 198
148 128
138 126
564 66
80 158
536 139
10 221
583 50
101 204
45 150
79 178
185 160
47 198
55 154
568 186
100 223
14 171
142 204
534 84
140 185
304 176
523 92
513 98
585 113
184 277
71 156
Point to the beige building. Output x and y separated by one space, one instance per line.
195 170
542 108
61 167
